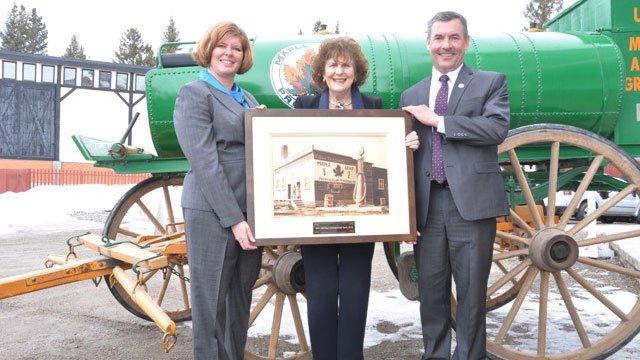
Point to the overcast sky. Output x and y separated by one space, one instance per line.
100 24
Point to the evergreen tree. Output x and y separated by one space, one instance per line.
538 12
13 35
133 50
74 50
337 28
23 32
171 34
36 34
300 32
316 26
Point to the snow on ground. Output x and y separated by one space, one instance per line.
561 334
50 208
390 307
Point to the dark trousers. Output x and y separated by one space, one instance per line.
450 245
337 281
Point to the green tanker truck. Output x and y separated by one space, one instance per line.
575 105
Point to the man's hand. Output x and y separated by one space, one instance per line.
423 114
244 236
412 141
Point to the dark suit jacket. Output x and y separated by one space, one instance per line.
476 122
312 102
210 129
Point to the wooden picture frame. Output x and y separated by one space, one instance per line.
329 176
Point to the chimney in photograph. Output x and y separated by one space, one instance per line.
284 152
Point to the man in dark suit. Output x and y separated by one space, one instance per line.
461 115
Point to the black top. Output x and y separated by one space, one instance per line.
312 102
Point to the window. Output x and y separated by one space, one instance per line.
69 76
139 82
383 201
28 72
47 74
104 81
380 184
122 81
87 77
8 69
334 188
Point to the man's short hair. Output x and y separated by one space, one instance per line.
445 16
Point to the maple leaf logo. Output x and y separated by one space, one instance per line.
337 171
299 77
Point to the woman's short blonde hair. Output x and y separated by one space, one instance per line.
342 47
214 35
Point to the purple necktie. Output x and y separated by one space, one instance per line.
440 108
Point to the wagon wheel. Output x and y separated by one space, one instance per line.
277 290
499 268
282 275
550 250
147 209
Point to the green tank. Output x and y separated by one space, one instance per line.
572 79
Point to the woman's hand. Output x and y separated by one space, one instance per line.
244 236
412 141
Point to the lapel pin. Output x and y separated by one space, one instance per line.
461 85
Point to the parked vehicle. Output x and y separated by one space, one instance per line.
627 209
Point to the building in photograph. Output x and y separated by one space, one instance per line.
323 180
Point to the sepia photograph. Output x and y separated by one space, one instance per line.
328 177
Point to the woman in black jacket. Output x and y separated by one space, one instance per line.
338 276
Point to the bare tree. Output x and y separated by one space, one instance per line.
538 12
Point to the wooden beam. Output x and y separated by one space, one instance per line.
126 252
58 275
144 301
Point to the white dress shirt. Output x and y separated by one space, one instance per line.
435 87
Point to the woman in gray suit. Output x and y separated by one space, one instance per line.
223 259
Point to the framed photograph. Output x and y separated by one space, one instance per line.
329 176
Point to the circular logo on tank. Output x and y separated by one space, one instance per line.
291 71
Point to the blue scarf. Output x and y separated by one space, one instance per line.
236 91
356 99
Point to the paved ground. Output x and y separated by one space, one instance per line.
80 321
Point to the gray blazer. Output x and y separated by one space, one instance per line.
476 122
210 129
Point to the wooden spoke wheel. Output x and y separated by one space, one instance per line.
496 299
148 209
278 290
581 310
